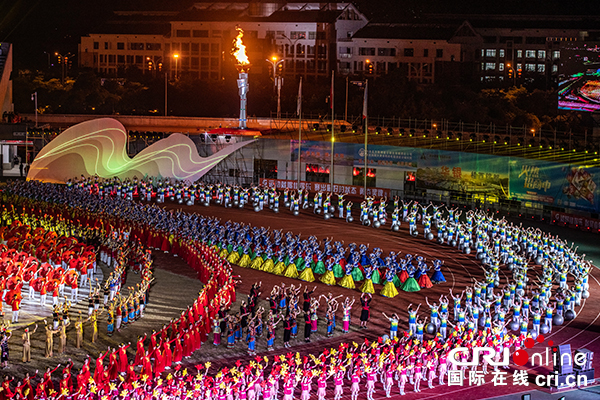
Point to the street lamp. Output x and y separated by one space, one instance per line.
277 81
275 64
369 66
511 74
63 61
154 65
176 57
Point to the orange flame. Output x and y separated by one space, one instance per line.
239 49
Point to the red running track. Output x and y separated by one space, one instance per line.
459 270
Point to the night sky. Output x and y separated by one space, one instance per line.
38 26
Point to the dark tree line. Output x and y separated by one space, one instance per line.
389 96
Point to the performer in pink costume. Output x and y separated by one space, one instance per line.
431 366
418 375
288 388
305 385
442 368
251 392
402 379
267 389
338 381
322 385
347 307
355 388
371 378
216 332
389 380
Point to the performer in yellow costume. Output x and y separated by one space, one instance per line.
245 260
224 252
328 278
307 273
291 271
367 286
233 257
389 289
279 268
347 281
257 262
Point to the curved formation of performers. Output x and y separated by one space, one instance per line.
486 317
44 264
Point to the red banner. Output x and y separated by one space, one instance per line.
576 220
351 190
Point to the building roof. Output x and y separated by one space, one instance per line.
304 16
150 28
241 15
210 15
137 22
513 21
405 31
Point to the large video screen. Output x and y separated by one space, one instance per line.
579 77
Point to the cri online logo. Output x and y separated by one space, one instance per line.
521 357
489 355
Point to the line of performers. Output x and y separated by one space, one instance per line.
249 324
388 365
243 244
557 260
36 260
497 243
185 333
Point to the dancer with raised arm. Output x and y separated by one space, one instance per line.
393 324
365 302
347 309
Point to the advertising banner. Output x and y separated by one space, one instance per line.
462 172
353 154
577 220
320 152
556 184
560 185
350 190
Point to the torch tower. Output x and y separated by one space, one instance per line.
242 65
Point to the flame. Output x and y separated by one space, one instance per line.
239 49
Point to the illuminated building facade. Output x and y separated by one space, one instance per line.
197 42
421 53
315 38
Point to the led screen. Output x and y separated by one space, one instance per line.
579 79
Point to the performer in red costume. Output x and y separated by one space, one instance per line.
140 351
123 358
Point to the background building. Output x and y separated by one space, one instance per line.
198 41
315 38
420 52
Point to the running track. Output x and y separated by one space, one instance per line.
459 270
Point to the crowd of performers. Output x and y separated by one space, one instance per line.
185 333
69 263
495 241
406 359
86 217
39 263
122 252
388 366
285 306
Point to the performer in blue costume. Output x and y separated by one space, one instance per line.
437 276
